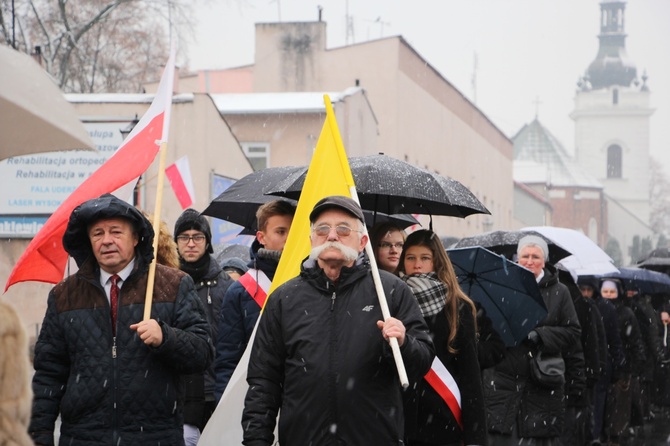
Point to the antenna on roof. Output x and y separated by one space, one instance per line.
349 25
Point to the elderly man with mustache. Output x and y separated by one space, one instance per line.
321 358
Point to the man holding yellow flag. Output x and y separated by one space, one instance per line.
321 351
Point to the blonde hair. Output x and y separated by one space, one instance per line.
445 273
167 254
15 389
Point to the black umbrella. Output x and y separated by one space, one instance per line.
385 184
507 291
238 203
225 251
658 260
645 280
505 243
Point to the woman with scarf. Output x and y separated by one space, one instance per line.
454 413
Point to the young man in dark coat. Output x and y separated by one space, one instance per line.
113 377
321 351
194 244
244 299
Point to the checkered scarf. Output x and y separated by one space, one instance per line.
429 291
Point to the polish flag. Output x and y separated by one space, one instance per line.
44 259
179 176
445 385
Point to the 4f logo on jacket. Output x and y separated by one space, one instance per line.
368 308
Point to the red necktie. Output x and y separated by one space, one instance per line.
114 300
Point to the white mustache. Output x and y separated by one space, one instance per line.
350 254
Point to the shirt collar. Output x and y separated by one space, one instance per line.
123 274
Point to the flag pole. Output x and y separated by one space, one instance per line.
148 298
395 347
381 296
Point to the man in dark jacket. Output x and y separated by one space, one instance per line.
113 377
321 351
194 244
244 299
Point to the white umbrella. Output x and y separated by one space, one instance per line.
34 115
587 257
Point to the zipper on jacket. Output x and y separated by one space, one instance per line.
114 347
332 301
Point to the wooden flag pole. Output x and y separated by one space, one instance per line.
156 224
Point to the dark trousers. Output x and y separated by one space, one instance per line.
598 416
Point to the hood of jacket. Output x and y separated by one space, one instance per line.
76 241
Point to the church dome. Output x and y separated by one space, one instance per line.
612 65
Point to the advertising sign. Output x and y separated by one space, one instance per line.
35 185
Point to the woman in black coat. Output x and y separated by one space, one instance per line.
519 410
451 318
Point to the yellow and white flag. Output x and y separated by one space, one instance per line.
328 174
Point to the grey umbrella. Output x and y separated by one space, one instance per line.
388 185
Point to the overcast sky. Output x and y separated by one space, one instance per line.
525 49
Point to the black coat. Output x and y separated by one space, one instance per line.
106 389
511 397
616 358
104 398
320 358
237 320
428 419
199 388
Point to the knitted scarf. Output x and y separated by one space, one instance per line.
198 269
429 291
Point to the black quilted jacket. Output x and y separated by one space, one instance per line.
127 395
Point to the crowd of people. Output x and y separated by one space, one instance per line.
322 369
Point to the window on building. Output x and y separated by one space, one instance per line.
258 154
614 161
615 96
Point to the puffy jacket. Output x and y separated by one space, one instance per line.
237 319
115 390
511 397
320 358
122 398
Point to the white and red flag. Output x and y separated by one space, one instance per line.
179 176
45 258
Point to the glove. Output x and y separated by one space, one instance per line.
534 338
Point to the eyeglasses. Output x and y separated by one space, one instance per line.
387 245
197 239
341 231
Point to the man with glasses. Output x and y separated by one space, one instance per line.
194 244
321 351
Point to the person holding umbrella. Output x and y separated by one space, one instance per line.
520 410
243 301
321 358
113 377
451 318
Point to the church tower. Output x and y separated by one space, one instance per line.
612 114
